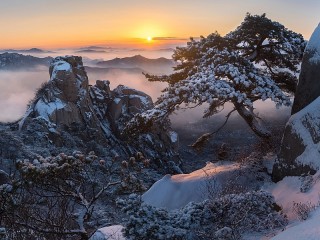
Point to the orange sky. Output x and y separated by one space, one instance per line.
61 23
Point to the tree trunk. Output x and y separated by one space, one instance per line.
251 119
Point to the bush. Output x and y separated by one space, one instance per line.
54 197
252 211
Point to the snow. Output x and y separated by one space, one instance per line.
60 66
301 122
173 192
144 100
314 46
173 136
46 109
116 100
288 191
307 230
110 233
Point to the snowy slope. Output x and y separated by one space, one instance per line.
307 230
288 191
173 192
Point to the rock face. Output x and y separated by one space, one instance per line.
68 112
309 81
300 148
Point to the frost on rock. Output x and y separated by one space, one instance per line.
46 109
308 88
300 148
313 46
60 66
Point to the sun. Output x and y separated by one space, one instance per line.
149 39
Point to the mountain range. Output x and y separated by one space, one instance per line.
138 63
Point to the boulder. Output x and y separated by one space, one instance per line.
300 147
308 88
126 103
64 100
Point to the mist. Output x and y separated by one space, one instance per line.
17 88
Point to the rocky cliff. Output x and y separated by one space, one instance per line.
300 147
69 113
308 88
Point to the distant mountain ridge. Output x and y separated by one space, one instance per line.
150 65
31 50
14 61
137 63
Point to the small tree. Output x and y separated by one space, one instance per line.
54 197
257 61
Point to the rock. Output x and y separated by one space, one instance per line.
4 178
308 88
68 112
300 147
126 103
65 99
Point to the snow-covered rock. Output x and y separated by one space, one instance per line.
68 111
111 233
300 147
308 88
176 191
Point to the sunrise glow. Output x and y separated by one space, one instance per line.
66 24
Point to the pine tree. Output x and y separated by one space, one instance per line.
257 61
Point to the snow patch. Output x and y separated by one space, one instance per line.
307 230
46 109
111 233
288 191
60 66
173 192
314 46
116 100
173 136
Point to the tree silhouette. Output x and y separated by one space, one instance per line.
257 61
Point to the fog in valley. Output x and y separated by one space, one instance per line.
17 88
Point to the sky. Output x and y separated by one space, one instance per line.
62 23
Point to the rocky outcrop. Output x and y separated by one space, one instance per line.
68 112
308 88
300 147
65 98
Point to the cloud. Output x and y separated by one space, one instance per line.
170 39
